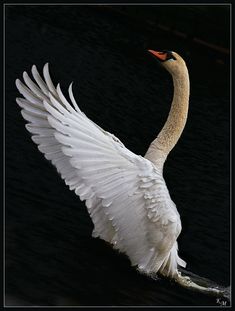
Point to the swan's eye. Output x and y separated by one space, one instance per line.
170 56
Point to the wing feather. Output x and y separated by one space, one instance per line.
73 99
33 87
25 91
49 83
42 85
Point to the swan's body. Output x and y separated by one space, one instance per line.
125 194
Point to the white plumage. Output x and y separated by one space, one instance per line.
125 194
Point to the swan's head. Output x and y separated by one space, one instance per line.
172 61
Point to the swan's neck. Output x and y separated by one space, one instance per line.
172 130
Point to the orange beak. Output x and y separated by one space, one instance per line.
160 55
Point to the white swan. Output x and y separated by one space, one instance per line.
125 194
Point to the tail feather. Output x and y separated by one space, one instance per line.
170 264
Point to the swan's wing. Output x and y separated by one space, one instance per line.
117 185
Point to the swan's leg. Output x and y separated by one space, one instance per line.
186 281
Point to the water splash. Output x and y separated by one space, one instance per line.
204 285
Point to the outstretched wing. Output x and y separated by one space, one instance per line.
115 183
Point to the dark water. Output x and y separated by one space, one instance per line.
51 258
